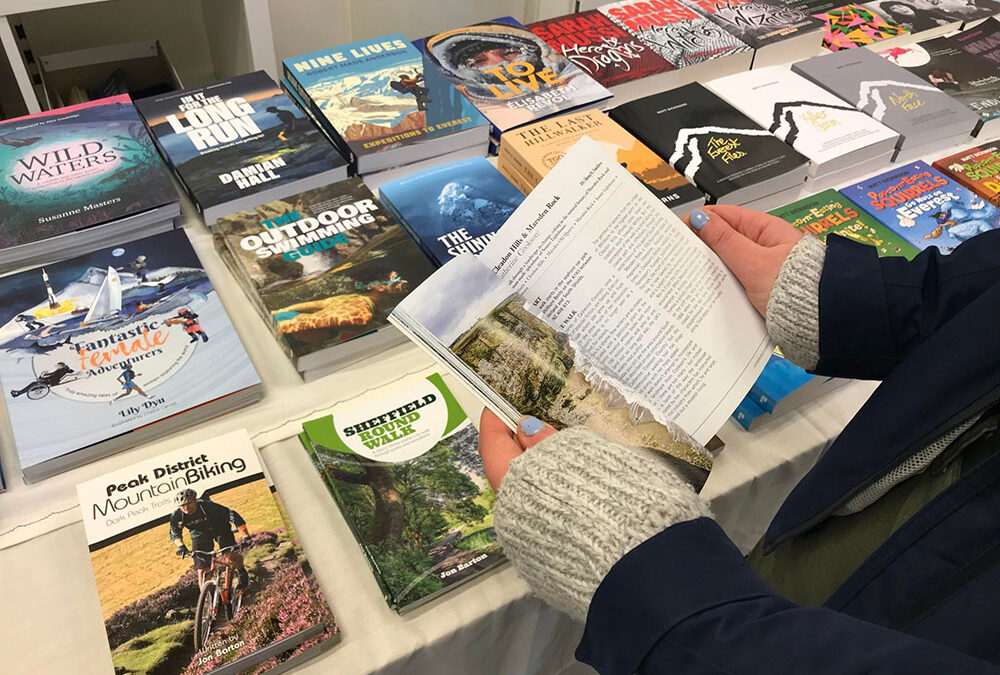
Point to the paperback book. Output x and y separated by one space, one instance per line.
260 607
238 142
383 104
781 387
975 169
758 23
969 79
982 40
930 19
675 31
853 25
78 178
509 73
452 209
623 320
924 207
403 467
110 349
324 268
718 148
531 151
829 212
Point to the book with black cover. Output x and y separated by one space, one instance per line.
925 20
238 142
982 40
718 148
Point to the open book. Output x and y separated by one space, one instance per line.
594 304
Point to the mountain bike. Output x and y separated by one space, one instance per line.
216 594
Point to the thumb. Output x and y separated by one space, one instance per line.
730 245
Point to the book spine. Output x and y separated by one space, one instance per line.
746 412
304 101
761 398
511 174
521 165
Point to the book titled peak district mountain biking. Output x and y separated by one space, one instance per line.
403 467
156 618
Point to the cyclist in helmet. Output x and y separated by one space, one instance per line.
209 523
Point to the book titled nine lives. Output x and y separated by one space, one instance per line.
114 348
78 178
239 142
324 268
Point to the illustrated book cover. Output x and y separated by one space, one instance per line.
758 23
976 169
851 26
509 73
113 347
239 141
323 267
454 208
924 206
404 468
153 527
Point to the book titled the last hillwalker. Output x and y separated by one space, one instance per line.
402 464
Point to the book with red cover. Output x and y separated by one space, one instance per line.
976 169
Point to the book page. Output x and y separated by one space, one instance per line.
647 302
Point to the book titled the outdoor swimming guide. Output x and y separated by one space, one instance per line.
156 618
403 466
238 142
454 208
924 207
77 178
113 348
382 104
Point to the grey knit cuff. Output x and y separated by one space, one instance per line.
574 504
793 307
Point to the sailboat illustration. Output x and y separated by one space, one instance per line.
108 301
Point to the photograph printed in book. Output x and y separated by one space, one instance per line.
600 48
509 73
918 16
328 264
404 468
977 169
112 341
673 30
756 22
852 26
72 168
216 584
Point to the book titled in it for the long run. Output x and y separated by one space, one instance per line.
156 617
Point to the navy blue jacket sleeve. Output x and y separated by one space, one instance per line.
686 603
873 311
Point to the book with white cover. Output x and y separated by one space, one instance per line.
833 134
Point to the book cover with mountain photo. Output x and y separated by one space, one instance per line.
149 597
403 466
239 141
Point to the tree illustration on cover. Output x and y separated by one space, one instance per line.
853 26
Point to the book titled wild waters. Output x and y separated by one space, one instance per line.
594 304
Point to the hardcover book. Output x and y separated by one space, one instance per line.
383 103
156 617
324 267
829 212
531 151
404 469
982 40
921 113
976 169
452 209
509 73
970 79
833 134
924 207
852 26
673 30
715 146
237 142
119 345
74 173
758 23
600 48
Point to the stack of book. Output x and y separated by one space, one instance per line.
384 107
239 142
452 209
79 178
114 348
323 268
975 169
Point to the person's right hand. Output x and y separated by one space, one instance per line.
751 244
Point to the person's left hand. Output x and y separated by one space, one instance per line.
498 445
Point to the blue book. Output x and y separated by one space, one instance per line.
383 105
747 412
454 208
923 206
779 378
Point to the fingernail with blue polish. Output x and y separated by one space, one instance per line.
531 426
699 218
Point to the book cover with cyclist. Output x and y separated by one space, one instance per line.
107 343
197 569
403 466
